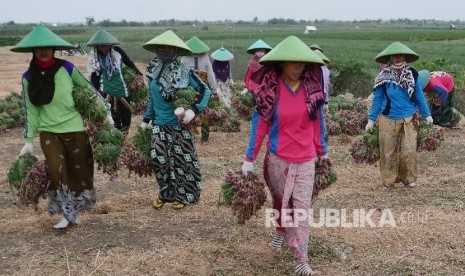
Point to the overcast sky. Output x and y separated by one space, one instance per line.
67 11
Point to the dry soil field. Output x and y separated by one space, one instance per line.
124 235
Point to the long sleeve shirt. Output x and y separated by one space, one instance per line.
202 64
60 115
292 136
326 82
161 112
394 102
118 82
442 83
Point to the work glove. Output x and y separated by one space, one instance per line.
188 116
326 108
247 167
324 156
369 125
244 91
429 120
27 148
110 120
144 125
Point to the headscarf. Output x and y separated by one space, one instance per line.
405 80
221 69
41 87
170 76
97 61
267 95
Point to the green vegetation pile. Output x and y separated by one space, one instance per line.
106 139
11 112
136 156
138 90
18 171
346 116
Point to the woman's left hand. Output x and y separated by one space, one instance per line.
189 115
110 120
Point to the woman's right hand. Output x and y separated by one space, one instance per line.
369 125
144 125
27 149
247 167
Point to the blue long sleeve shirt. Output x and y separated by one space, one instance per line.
397 101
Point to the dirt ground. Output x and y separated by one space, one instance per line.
124 235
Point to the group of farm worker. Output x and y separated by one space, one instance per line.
290 86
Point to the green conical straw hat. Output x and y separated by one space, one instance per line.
424 76
259 44
102 37
315 46
168 38
291 49
222 55
322 56
41 37
197 46
396 48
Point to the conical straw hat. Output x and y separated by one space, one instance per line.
168 38
41 37
197 46
322 56
396 48
102 37
424 76
222 55
259 44
291 49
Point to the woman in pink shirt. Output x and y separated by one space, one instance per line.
289 104
441 83
255 70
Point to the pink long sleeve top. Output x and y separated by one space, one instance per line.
292 136
442 83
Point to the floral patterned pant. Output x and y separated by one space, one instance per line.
291 187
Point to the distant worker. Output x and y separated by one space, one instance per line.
200 63
442 84
105 65
326 73
223 73
255 70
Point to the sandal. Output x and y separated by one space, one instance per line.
178 205
158 203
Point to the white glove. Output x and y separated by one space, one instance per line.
324 156
244 91
27 148
247 167
369 125
230 81
429 120
110 120
326 108
144 125
189 115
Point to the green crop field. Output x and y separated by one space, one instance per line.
340 42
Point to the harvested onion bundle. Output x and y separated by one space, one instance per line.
18 170
245 193
324 176
35 185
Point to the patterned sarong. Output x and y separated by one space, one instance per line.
175 164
